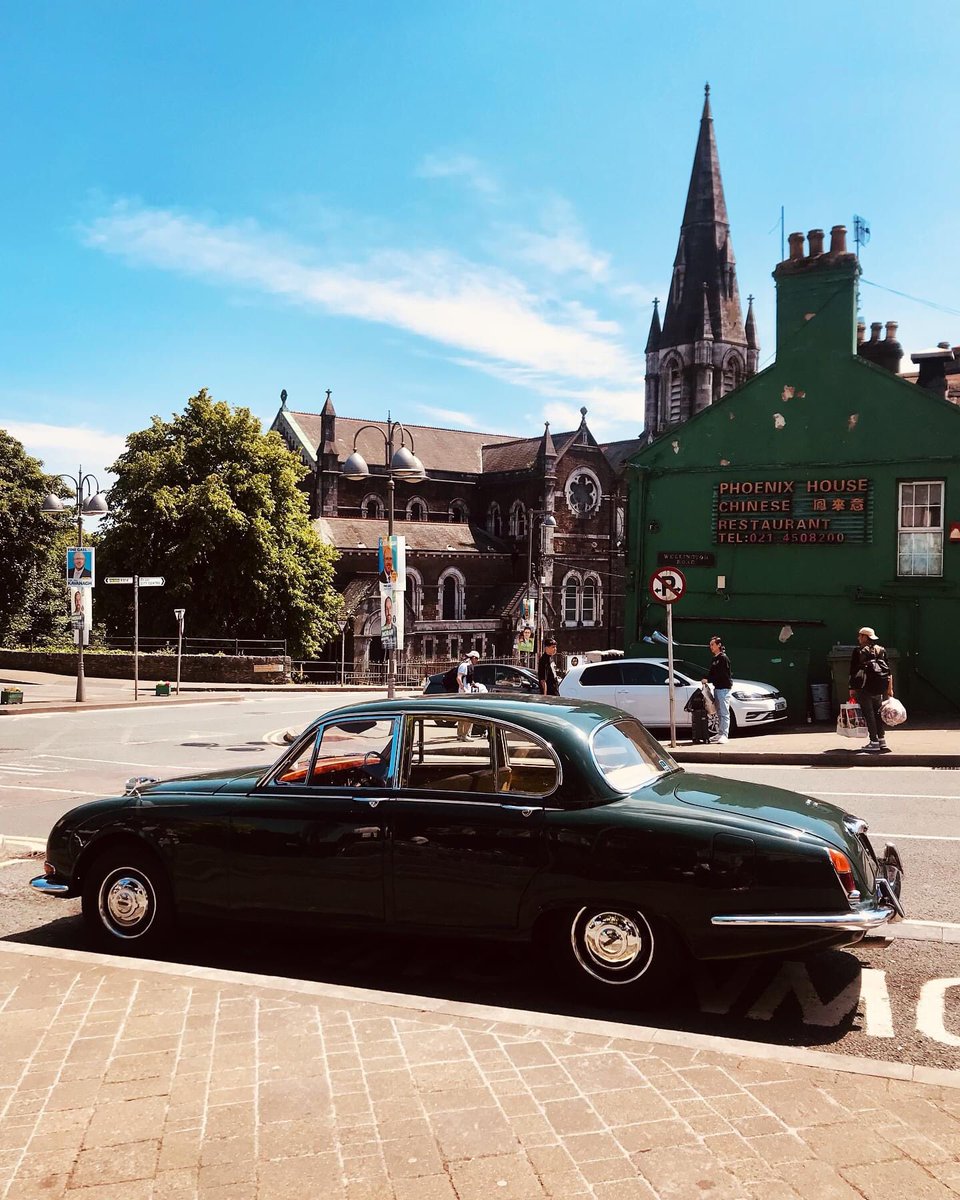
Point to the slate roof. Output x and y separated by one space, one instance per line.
360 534
440 450
617 453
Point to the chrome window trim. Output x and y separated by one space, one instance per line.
453 714
316 731
603 775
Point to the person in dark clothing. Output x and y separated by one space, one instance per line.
547 669
871 682
721 680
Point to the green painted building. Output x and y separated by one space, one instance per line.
819 496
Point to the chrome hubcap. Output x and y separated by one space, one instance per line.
612 940
613 947
125 903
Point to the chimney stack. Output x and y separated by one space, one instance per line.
892 332
796 245
933 369
815 242
838 239
875 327
883 352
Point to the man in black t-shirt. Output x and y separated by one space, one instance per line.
547 669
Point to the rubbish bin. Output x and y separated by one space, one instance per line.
163 689
839 660
822 705
11 696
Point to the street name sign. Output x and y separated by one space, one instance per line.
152 581
119 579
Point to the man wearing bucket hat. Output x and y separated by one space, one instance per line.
871 681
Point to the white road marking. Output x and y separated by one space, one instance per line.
19 769
868 991
60 791
932 1008
889 795
79 760
917 837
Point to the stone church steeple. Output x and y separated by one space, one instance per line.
703 350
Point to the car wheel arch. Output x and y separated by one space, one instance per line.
110 843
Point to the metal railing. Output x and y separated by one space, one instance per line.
410 673
238 647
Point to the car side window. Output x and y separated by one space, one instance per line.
436 760
353 753
528 766
602 675
644 675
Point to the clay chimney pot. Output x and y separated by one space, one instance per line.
861 332
815 242
875 327
891 331
796 245
838 239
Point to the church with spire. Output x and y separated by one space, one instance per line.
704 348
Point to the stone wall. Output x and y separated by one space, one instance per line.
200 668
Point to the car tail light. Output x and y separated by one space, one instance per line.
841 864
49 869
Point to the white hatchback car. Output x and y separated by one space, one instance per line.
639 687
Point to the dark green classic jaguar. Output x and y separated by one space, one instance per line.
559 821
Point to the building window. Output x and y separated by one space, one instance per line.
732 373
428 648
416 510
920 529
494 522
571 606
458 513
450 595
518 519
371 507
415 593
581 599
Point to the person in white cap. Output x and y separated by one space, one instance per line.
871 681
465 684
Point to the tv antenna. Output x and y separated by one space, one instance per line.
861 232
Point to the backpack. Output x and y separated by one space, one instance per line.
450 680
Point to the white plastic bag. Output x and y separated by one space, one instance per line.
892 711
850 723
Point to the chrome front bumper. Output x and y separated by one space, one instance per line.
49 886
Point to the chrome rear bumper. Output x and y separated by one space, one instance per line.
884 907
49 887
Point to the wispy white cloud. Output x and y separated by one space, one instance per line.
45 441
488 315
463 167
450 416
560 245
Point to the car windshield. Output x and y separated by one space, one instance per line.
628 757
688 668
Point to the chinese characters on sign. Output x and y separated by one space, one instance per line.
794 512
392 573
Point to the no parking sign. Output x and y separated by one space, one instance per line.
667 584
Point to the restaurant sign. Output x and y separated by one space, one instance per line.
795 512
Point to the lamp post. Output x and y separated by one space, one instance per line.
179 613
89 501
400 463
548 521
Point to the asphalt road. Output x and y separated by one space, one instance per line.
898 1001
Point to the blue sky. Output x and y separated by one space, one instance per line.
457 212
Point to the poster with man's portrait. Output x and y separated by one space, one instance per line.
80 566
80 609
391 617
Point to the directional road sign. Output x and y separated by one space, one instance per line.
152 581
667 584
119 579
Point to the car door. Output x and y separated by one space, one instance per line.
464 845
600 682
308 844
644 692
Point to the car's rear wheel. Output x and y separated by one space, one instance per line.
616 953
127 901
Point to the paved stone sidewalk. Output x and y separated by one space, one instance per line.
134 1082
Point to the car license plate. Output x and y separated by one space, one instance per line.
780 705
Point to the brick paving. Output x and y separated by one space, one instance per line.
122 1082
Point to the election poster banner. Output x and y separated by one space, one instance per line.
392 575
80 566
80 608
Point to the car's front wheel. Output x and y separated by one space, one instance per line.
127 902
618 954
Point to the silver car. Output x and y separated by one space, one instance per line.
639 687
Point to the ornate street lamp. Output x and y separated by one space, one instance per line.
89 501
399 463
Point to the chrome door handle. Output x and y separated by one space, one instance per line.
525 809
373 801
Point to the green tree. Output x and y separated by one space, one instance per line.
211 503
32 550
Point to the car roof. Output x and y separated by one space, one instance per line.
550 716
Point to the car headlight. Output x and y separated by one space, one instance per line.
755 694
